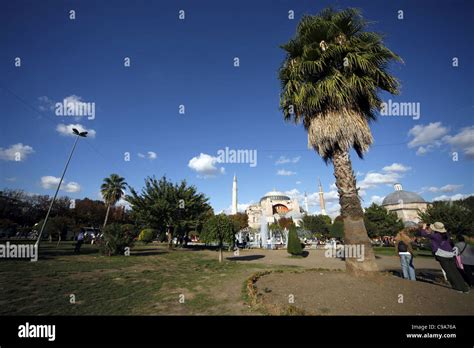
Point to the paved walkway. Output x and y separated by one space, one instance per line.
317 259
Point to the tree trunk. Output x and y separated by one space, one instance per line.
221 256
106 215
170 238
355 233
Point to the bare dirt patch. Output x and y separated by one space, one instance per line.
339 293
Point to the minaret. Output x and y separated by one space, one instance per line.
234 196
321 199
306 203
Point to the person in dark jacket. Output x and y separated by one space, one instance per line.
443 253
405 251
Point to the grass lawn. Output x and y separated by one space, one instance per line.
151 281
390 251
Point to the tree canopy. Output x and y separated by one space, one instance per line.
380 222
161 204
457 216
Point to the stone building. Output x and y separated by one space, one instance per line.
273 206
405 204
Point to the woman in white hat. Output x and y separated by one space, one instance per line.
443 253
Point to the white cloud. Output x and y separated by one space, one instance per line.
50 182
205 165
445 188
150 155
284 159
455 197
66 130
45 103
464 140
422 150
241 207
284 172
374 179
298 183
426 135
426 138
376 199
12 179
396 167
121 203
17 152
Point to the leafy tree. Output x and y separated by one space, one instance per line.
274 227
175 208
294 243
57 227
456 216
380 222
112 189
337 229
330 80
285 223
240 221
8 228
317 224
220 229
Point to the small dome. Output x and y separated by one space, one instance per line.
402 196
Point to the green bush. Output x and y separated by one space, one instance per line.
146 235
294 244
337 229
116 238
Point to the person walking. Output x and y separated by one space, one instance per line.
405 251
443 253
80 240
466 252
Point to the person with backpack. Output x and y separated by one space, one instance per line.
442 250
465 253
405 251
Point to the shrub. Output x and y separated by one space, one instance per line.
294 244
116 238
146 235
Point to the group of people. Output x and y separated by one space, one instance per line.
456 260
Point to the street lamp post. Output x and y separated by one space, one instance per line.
78 135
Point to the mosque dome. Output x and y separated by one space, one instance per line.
275 196
399 195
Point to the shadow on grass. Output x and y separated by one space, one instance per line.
245 258
148 252
429 276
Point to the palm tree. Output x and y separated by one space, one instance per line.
330 81
112 190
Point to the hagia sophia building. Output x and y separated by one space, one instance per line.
275 205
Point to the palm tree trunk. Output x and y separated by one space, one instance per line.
355 233
106 215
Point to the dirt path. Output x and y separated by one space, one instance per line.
337 293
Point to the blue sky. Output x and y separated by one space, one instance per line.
190 62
